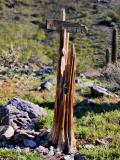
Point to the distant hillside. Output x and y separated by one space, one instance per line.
23 26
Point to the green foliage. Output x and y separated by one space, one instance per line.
25 42
5 153
101 153
98 125
114 16
45 122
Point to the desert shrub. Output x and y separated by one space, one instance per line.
25 39
113 15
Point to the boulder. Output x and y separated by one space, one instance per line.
32 109
97 91
6 132
21 114
19 117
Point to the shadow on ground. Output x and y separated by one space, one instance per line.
82 108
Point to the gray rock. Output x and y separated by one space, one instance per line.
29 143
89 146
51 152
32 109
45 85
97 91
18 149
42 150
21 114
6 132
68 157
46 70
78 80
104 141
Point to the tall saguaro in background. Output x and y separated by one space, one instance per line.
114 45
62 134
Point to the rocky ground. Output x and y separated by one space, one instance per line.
27 102
28 60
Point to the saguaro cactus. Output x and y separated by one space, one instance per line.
108 56
62 134
114 45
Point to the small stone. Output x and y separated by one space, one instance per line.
78 80
51 152
18 149
49 130
42 149
26 149
88 101
29 143
68 157
89 146
46 85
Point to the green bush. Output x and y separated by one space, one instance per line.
113 15
45 122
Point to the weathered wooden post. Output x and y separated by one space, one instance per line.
62 134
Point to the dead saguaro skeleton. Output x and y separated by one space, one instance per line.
62 134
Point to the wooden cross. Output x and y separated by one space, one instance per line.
62 134
56 25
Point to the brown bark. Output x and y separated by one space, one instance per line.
62 135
